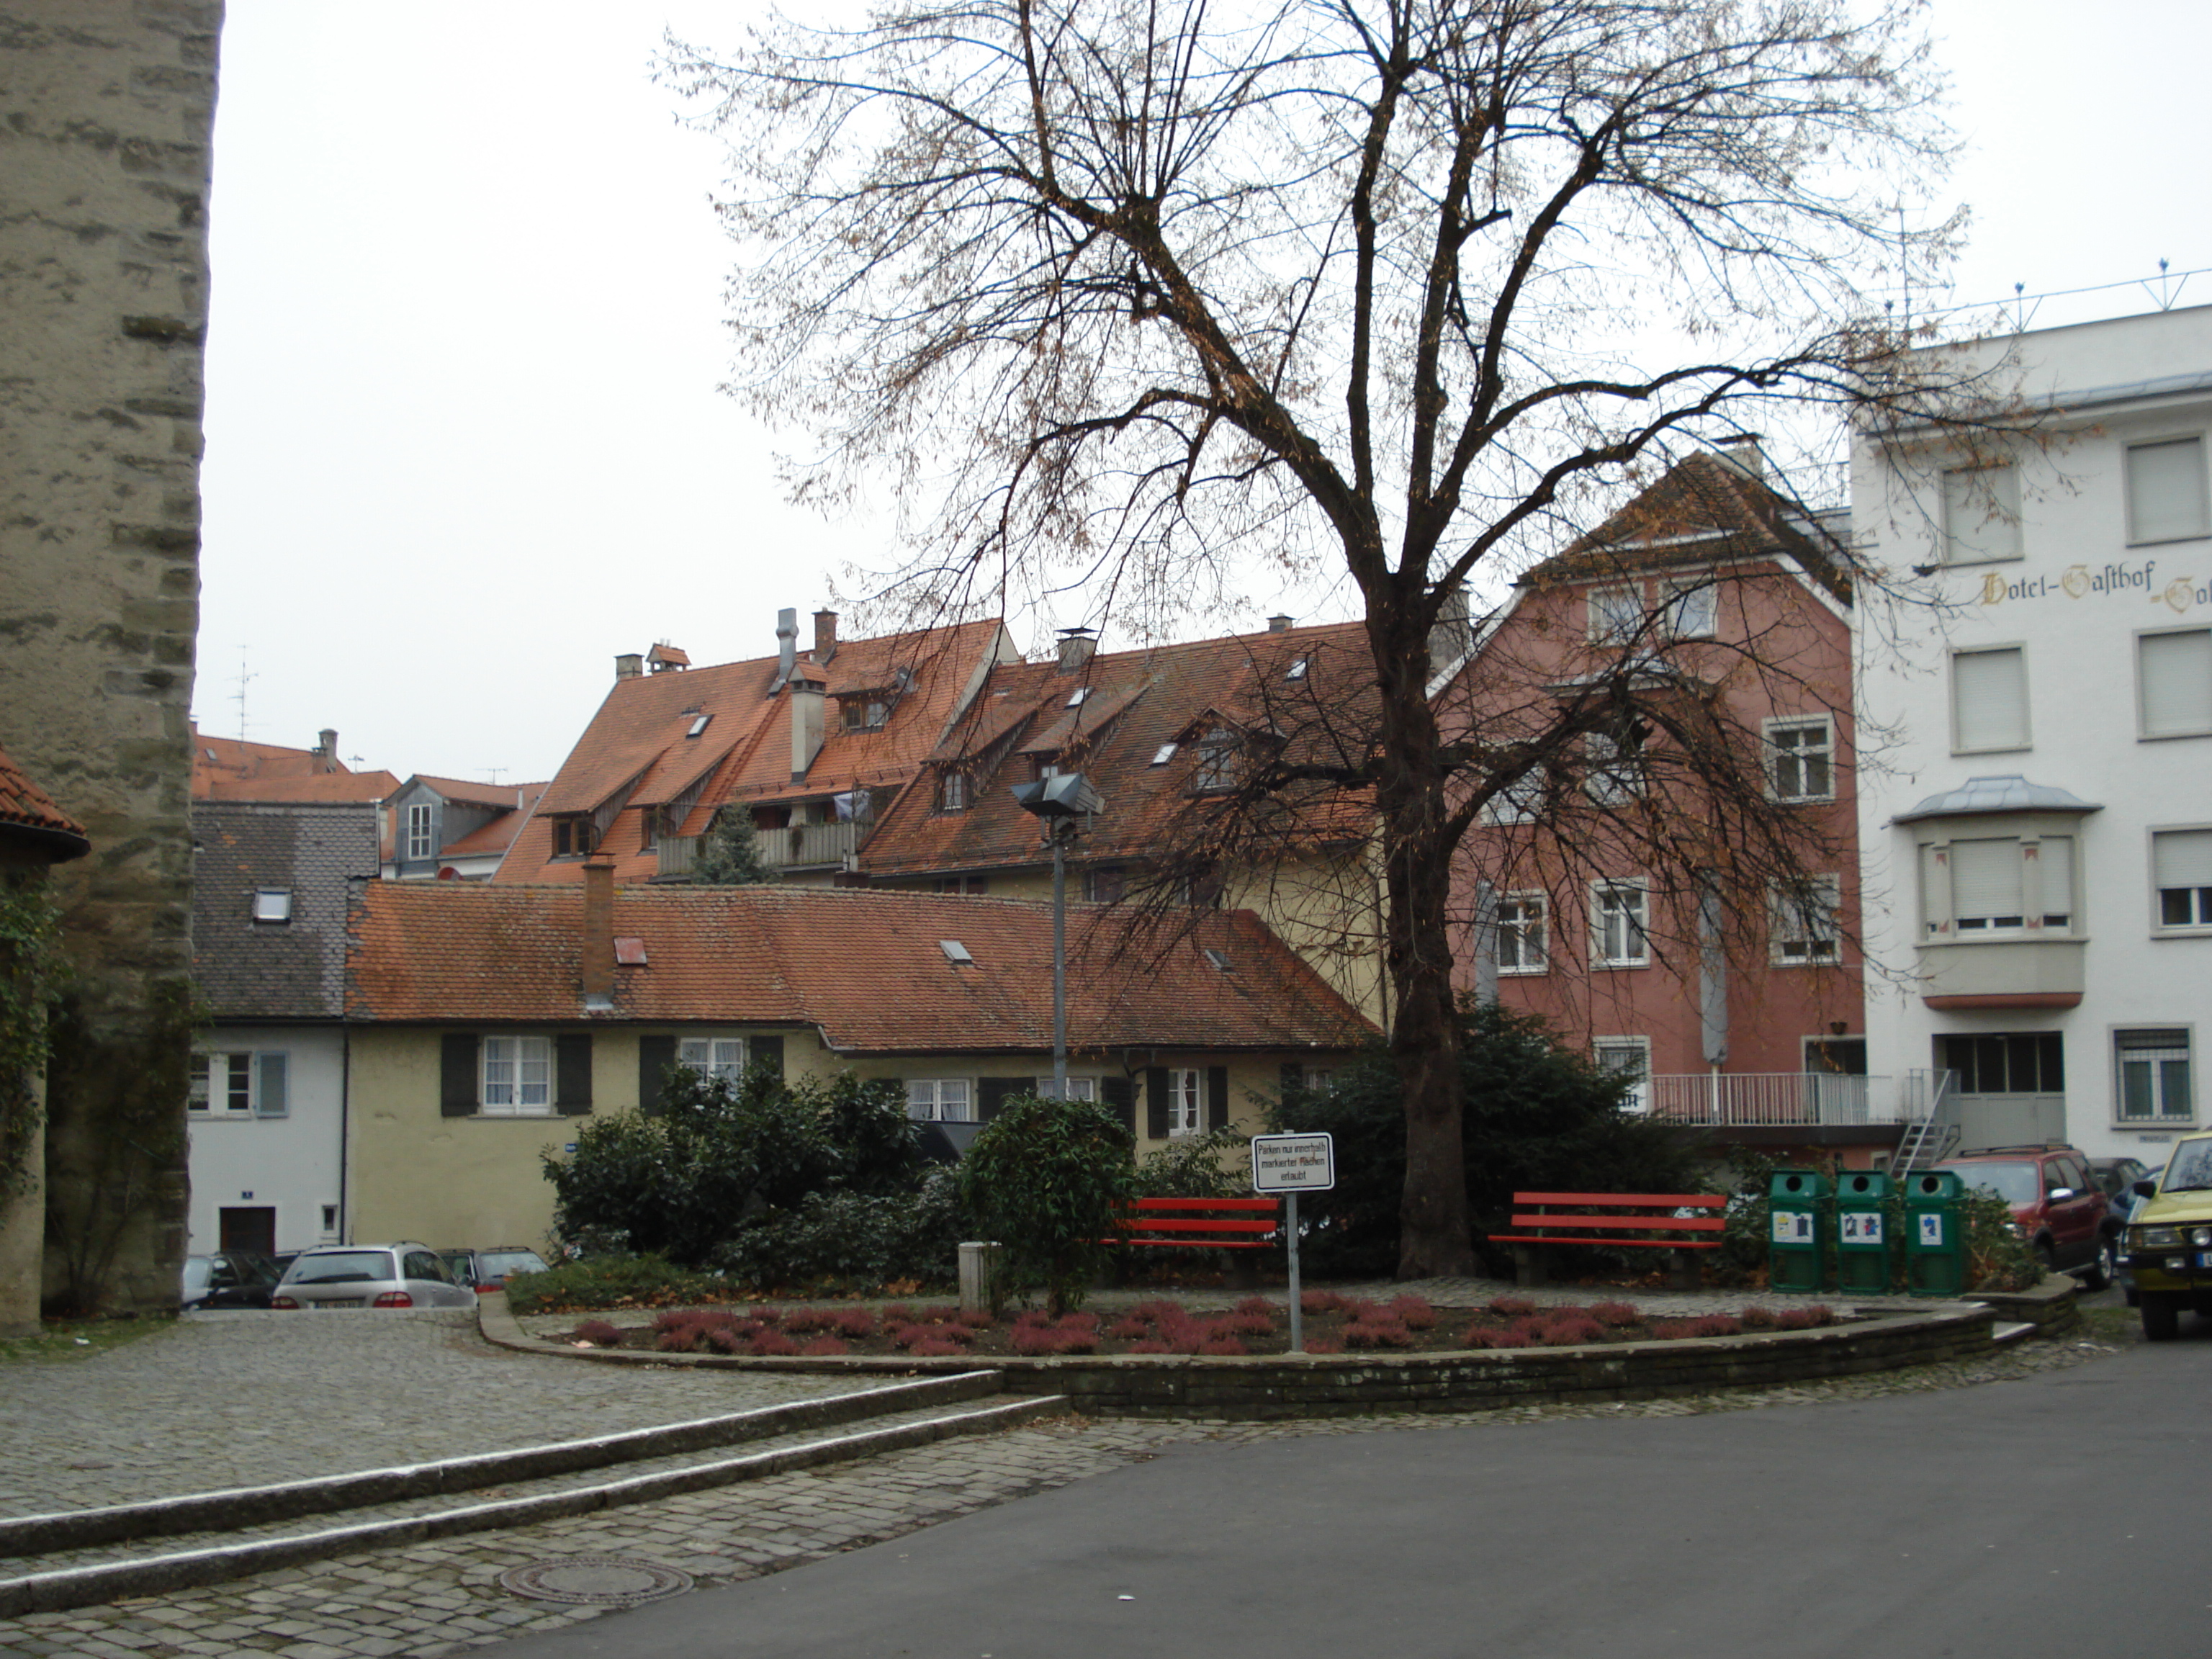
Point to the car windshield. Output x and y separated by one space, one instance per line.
498 1264
2190 1171
2016 1183
197 1273
339 1267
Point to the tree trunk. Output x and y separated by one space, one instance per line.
1411 803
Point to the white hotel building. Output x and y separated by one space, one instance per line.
2035 719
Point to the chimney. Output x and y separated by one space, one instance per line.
1452 636
825 636
786 647
1075 645
1742 452
629 666
1279 623
599 932
806 689
326 749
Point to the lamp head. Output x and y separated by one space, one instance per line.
1067 795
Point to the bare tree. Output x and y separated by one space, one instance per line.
1129 294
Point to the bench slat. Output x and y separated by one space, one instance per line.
1656 1201
1139 1224
1252 1204
1672 1223
1622 1243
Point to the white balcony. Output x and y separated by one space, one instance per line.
1741 1100
800 847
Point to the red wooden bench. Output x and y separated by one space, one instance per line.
1601 1219
1210 1223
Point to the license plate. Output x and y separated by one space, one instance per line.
326 1305
2204 1258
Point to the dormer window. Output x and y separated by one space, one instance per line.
1217 760
952 792
866 714
572 836
272 904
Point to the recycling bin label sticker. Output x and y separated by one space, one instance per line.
1793 1226
1931 1232
1861 1227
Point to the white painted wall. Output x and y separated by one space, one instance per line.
2076 601
292 1163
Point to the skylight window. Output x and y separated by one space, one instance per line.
1299 669
272 904
1218 958
698 726
1075 697
956 952
1163 754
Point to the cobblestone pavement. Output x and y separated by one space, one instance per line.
444 1597
251 1399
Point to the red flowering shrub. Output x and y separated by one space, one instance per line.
854 1322
1618 1314
677 1338
1511 1337
1129 1328
1322 1344
599 1334
1086 1323
1715 1325
1223 1346
1756 1318
1801 1318
1377 1332
935 1347
1036 1341
722 1338
772 1344
1413 1312
1321 1301
1509 1307
1245 1324
1156 1309
825 1347
1573 1331
1256 1305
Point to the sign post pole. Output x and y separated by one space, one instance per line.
1291 1164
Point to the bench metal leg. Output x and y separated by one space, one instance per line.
1529 1265
1689 1273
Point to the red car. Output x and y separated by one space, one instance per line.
2057 1206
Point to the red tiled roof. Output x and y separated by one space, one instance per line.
864 968
1141 701
219 762
636 751
1702 510
368 787
30 823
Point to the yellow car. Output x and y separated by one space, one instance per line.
2169 1240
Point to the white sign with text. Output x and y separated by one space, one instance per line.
1293 1164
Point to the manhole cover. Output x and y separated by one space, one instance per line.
599 1581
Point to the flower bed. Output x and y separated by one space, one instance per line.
1333 1324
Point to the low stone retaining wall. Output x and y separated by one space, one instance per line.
1263 1387
2050 1306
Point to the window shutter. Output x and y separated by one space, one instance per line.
2182 858
655 1055
1981 515
2054 861
993 1092
1156 1101
1935 890
457 1075
572 1074
2176 683
1985 879
1217 1097
1989 690
766 1051
270 1099
1121 1097
2166 491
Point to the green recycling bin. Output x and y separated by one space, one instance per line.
1862 1235
1934 1236
1797 1238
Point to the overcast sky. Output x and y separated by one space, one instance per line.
463 440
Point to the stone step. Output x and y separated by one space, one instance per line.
85 1574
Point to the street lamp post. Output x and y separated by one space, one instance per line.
1060 802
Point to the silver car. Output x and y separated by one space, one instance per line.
370 1276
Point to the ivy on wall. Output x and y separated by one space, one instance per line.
33 973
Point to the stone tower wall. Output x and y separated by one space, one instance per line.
107 109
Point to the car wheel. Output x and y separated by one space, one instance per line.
2105 1266
2161 1318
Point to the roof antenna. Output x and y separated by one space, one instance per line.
239 695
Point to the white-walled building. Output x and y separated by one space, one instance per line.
2035 711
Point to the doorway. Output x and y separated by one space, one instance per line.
2012 1087
247 1229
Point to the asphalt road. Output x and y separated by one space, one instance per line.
2061 1515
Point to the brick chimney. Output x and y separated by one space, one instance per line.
598 940
629 666
1279 623
825 637
326 749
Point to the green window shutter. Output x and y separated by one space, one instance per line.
1294 1077
572 1074
655 1055
992 1093
1119 1095
766 1051
457 1075
1217 1097
1156 1101
270 1096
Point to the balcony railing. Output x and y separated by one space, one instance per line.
798 846
1755 1099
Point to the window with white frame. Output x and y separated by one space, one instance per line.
1981 515
2181 870
2173 682
941 1100
1800 758
1620 924
1630 1055
1217 760
712 1056
1521 945
1186 1100
238 1083
1985 886
1521 801
1989 700
2167 500
952 792
421 841
1616 614
1106 883
1616 768
1079 1088
2152 1077
272 904
1804 929
518 1076
1692 610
